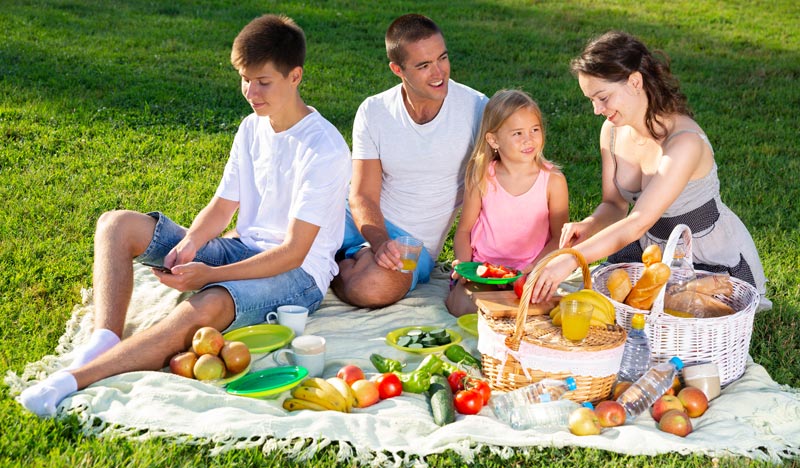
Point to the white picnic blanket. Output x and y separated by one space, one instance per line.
753 417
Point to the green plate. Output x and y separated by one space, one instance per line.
229 378
467 270
262 338
268 382
469 323
391 339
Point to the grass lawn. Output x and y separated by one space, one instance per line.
133 104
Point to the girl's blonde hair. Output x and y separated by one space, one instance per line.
500 107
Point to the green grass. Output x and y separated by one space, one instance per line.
133 104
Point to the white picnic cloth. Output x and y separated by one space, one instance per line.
753 417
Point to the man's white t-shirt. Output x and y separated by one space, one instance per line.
423 165
300 173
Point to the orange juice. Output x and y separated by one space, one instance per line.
575 319
409 264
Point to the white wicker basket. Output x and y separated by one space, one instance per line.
722 340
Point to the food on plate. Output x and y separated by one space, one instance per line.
646 289
651 255
207 340
209 367
675 422
316 394
350 373
694 401
663 404
366 392
418 339
610 413
489 270
441 399
582 421
183 364
602 309
235 355
700 305
619 284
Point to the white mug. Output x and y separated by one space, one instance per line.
292 316
306 351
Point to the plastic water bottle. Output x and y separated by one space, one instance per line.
544 415
636 356
645 391
681 270
542 391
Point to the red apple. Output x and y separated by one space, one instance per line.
366 392
694 400
236 356
676 422
582 421
664 404
183 364
610 413
209 367
350 373
207 340
619 388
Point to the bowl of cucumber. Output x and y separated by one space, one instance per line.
422 339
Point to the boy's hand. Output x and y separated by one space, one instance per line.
186 277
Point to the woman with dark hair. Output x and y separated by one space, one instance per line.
656 158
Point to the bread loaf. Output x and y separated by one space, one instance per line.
651 255
697 305
645 290
619 284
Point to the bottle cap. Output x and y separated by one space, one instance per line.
676 361
588 404
571 384
637 321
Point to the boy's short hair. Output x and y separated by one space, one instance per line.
276 39
406 29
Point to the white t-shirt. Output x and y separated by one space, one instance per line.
300 173
423 165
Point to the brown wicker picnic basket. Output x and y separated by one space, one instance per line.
518 351
722 340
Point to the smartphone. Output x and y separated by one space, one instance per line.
160 268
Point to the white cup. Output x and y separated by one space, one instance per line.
292 316
305 351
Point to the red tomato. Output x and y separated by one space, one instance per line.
456 381
389 385
468 402
482 387
518 285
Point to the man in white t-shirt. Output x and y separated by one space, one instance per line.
410 148
287 177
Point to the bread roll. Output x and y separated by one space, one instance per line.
651 255
645 290
619 284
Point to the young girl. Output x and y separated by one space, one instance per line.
515 201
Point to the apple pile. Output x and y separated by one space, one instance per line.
673 413
587 421
366 391
211 357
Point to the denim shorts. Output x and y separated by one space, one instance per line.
253 298
354 241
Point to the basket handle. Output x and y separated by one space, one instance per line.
680 231
514 339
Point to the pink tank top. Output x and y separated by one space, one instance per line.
511 230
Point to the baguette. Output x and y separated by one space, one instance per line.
619 284
645 290
651 255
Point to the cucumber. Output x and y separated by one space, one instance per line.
440 397
414 332
443 340
403 341
438 333
415 346
428 342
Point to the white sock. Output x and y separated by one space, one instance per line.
101 341
44 397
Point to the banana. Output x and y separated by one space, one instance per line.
329 398
555 310
603 308
557 318
333 393
296 404
345 390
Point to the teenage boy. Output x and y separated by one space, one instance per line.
410 148
287 176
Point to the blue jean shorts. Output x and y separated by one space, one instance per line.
354 241
253 298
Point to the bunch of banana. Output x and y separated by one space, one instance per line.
603 310
318 394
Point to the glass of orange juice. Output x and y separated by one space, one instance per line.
575 319
410 249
